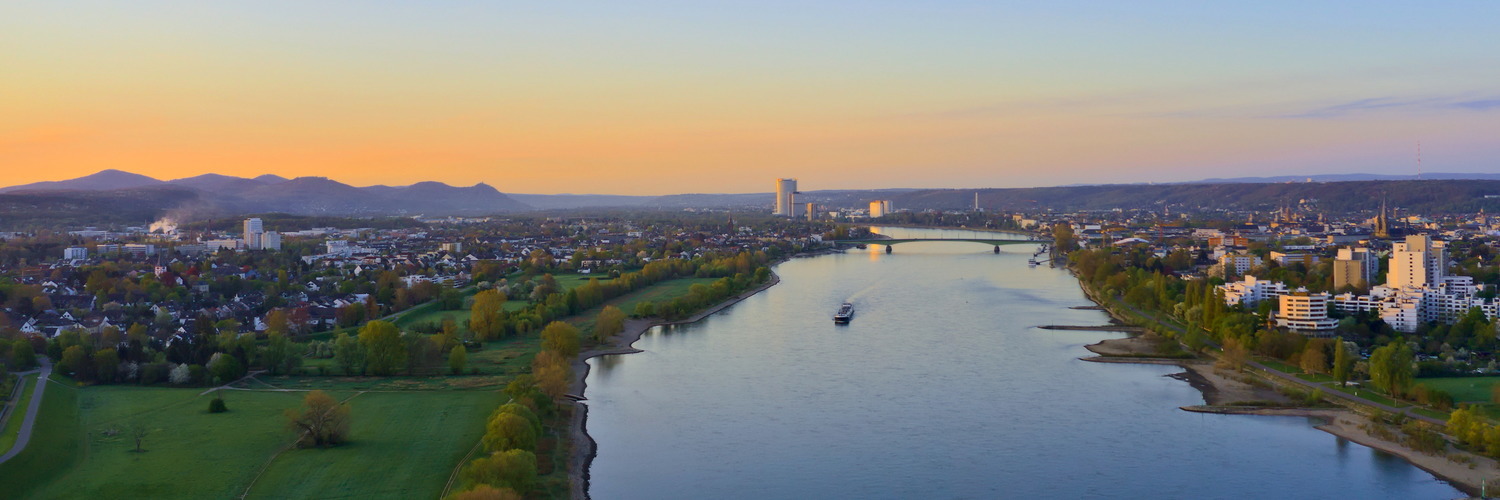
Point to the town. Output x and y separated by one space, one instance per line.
293 301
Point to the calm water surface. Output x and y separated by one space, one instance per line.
942 387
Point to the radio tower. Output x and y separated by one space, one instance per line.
1419 160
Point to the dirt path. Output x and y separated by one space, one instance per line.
31 410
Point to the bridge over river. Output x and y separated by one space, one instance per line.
896 241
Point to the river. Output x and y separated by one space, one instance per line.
941 387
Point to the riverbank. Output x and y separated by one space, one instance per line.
1242 393
1219 386
583 446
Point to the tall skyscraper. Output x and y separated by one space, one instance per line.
785 204
254 231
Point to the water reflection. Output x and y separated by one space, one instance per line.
941 387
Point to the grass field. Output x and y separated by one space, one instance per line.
1463 389
1369 394
188 452
429 314
409 433
56 446
191 453
13 426
404 445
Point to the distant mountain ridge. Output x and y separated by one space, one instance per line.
271 193
114 196
1348 178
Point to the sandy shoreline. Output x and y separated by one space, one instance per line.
583 446
1225 391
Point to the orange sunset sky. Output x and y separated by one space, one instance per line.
672 97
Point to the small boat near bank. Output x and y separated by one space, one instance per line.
845 313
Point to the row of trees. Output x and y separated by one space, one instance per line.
382 349
514 430
488 319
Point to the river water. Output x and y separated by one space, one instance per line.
941 387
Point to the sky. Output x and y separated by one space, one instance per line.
649 97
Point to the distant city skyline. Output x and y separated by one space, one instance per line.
661 97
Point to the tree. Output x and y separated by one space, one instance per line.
523 411
1391 368
181 374
22 355
561 337
138 432
279 356
385 352
216 405
322 422
225 367
1343 361
457 358
137 333
1234 355
507 431
514 469
1313 360
610 321
487 492
106 365
552 372
645 309
278 322
75 362
1062 237
1459 423
484 316
348 354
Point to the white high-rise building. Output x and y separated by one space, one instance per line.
1416 263
254 231
880 208
76 253
270 240
785 204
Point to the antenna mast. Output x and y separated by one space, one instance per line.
1419 160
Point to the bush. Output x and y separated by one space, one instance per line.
216 405
180 375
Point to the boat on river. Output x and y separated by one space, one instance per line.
846 313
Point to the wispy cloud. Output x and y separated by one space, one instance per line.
1397 103
1479 105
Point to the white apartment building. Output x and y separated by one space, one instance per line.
1251 291
1239 263
1286 259
76 253
1305 312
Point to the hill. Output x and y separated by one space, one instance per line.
104 179
113 196
1426 196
